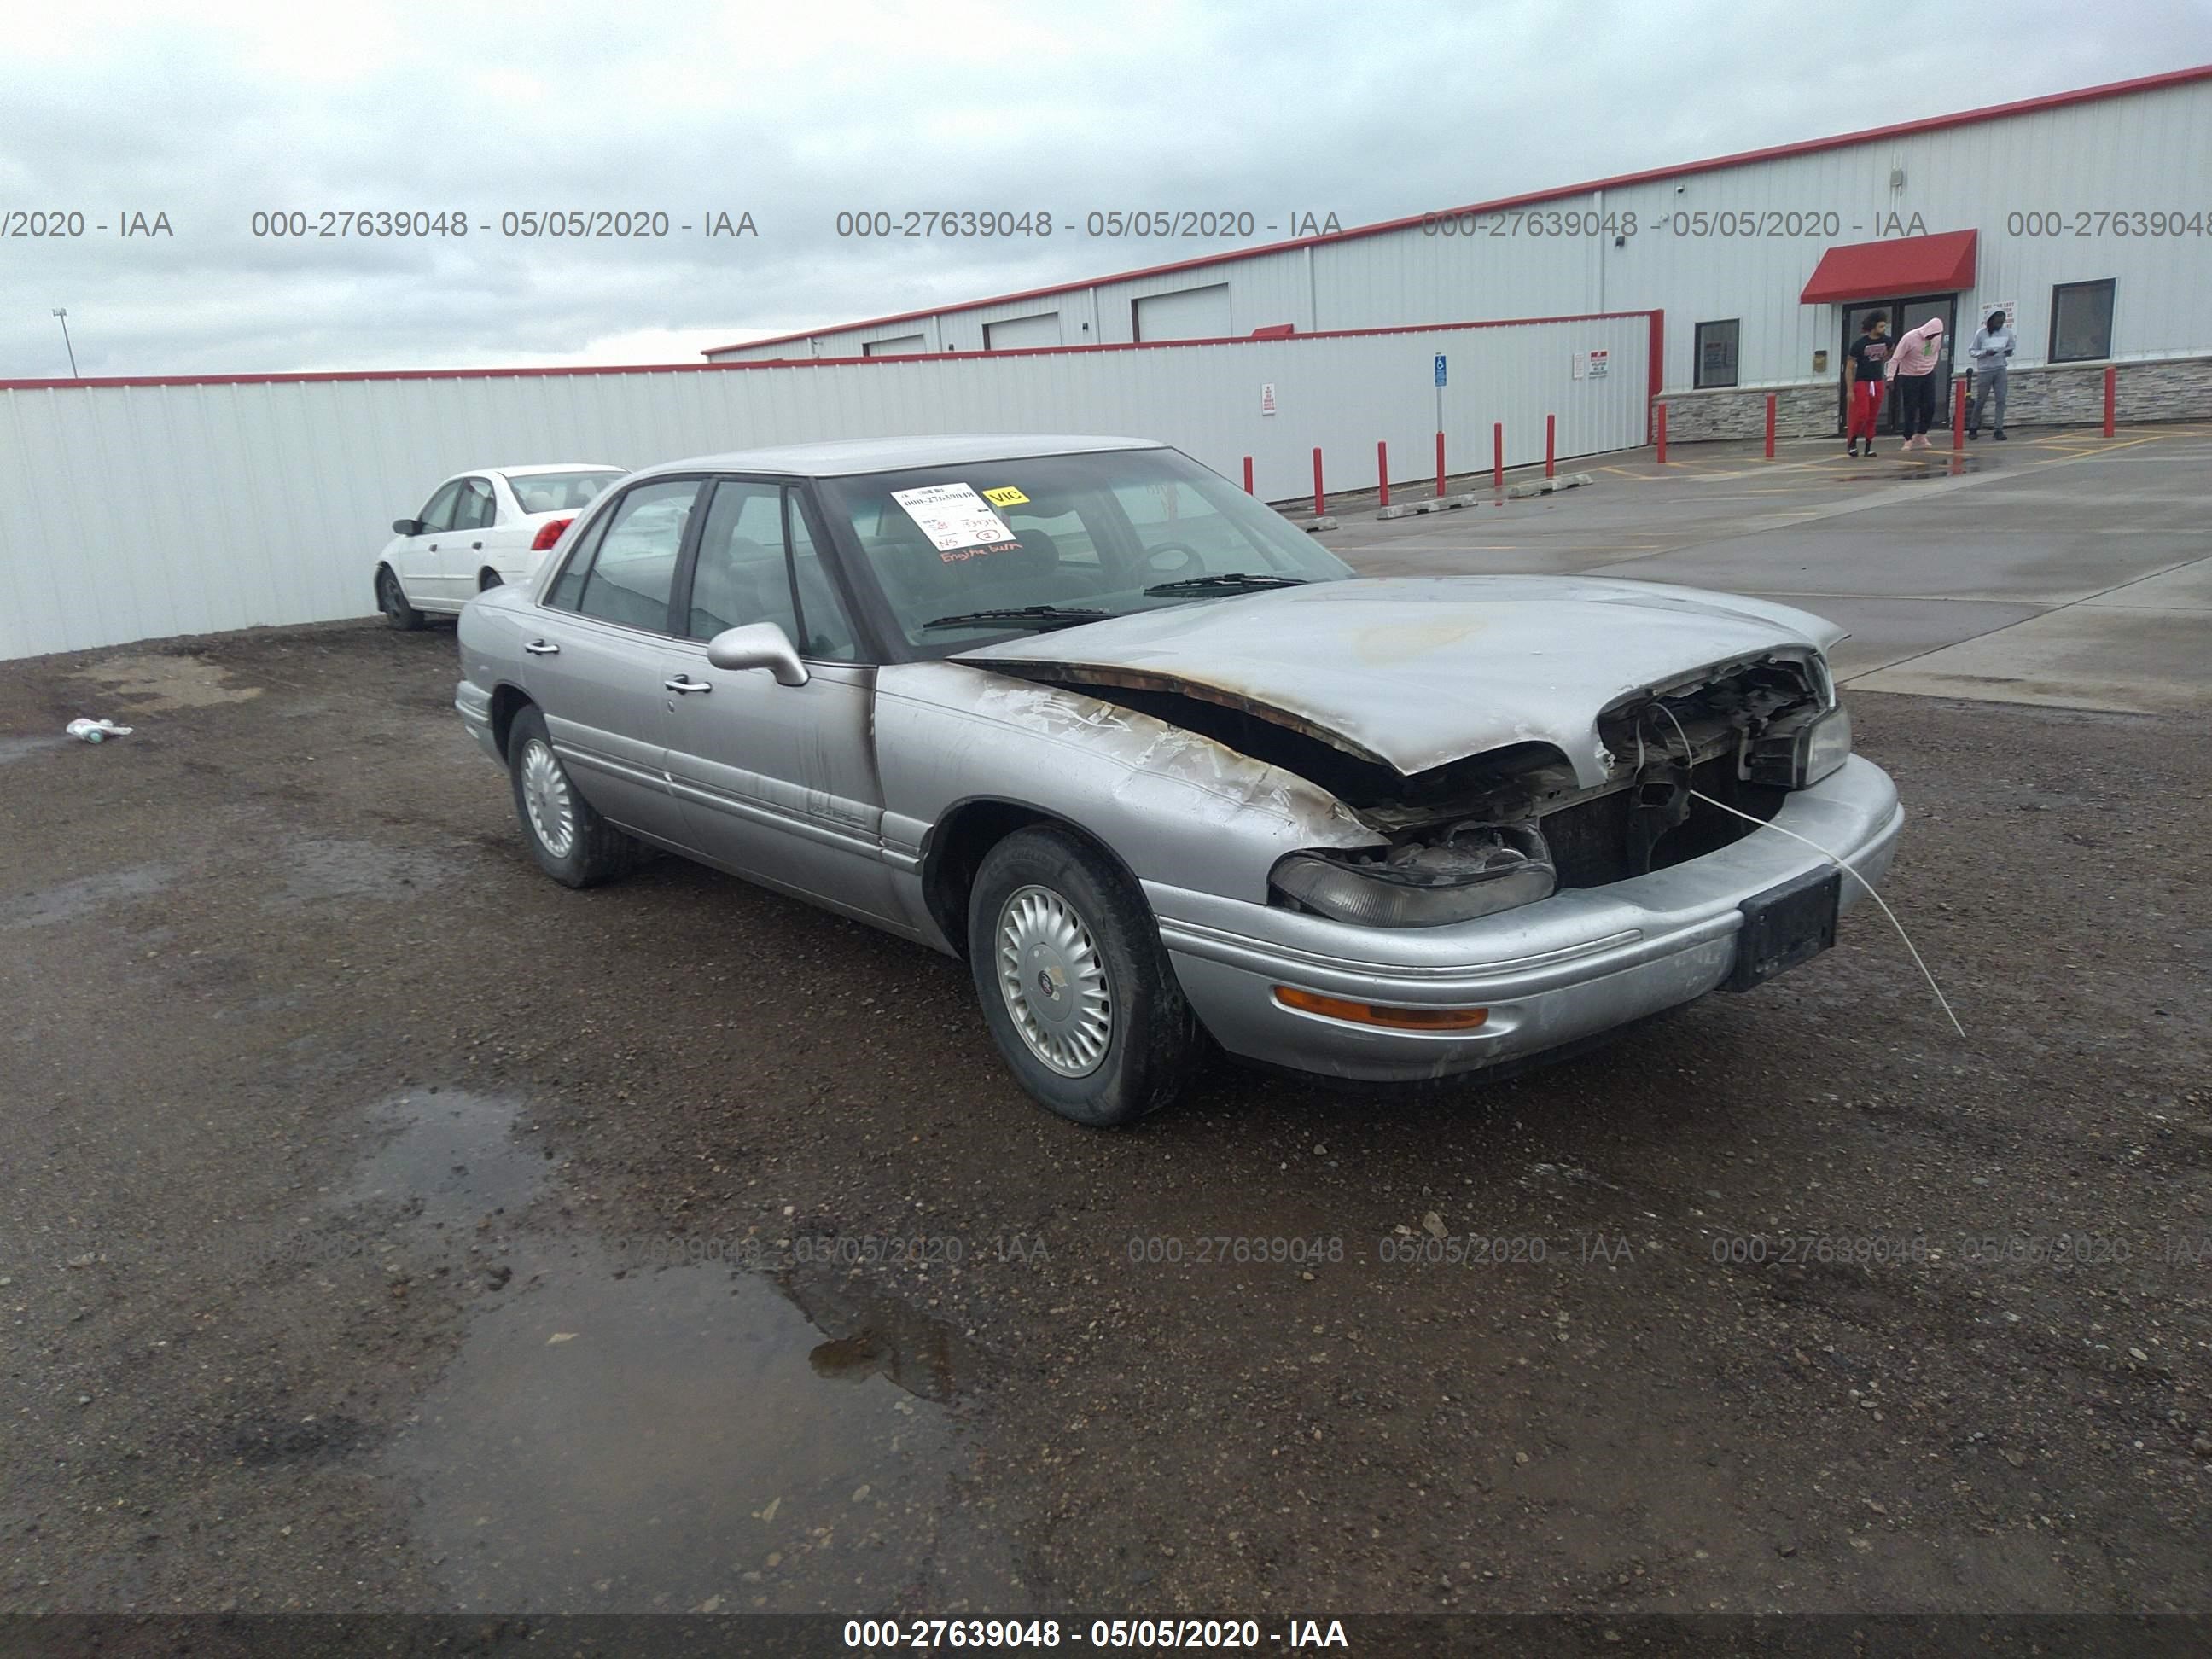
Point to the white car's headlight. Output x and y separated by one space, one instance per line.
1792 754
1472 871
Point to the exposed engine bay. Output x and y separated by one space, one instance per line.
1510 813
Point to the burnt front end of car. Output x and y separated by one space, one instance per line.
1510 905
1688 769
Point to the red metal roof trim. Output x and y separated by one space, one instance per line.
1941 264
1741 158
317 376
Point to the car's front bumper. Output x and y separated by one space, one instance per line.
1550 974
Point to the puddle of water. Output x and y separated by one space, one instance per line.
69 901
685 1438
322 868
155 681
613 1438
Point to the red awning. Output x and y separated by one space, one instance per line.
1898 265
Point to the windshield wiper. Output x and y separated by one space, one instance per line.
1036 615
1244 578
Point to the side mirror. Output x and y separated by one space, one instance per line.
758 645
407 526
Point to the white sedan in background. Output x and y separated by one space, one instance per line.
480 529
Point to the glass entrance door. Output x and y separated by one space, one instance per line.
1905 315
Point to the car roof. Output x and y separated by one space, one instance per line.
555 466
851 455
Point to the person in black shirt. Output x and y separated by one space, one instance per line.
1868 354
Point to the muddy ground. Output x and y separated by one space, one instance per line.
388 1227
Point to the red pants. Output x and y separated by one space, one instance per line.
1866 403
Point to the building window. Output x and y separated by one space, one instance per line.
1715 359
2082 321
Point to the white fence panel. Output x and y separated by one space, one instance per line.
134 510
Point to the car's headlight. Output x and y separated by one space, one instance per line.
1794 753
1471 870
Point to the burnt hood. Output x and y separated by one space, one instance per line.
1415 673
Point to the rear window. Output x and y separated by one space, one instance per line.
557 492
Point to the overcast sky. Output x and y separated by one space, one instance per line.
793 112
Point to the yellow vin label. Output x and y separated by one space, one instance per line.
1006 495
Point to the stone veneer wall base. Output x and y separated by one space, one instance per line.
2066 394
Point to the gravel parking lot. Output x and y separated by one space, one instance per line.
386 1227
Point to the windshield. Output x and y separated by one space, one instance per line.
558 492
1083 534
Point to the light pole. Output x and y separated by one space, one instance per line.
62 312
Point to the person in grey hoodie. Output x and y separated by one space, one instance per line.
1991 351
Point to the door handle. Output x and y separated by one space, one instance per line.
434 547
543 648
476 545
686 682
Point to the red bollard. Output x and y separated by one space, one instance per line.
1770 426
1383 474
1248 475
1440 466
1498 455
1659 413
1551 433
2111 395
1958 415
1320 501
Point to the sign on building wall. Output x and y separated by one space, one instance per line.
1267 398
1598 360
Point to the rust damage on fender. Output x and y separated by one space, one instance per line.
1098 679
1154 747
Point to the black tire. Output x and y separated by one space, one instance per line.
1153 1041
489 579
392 602
594 851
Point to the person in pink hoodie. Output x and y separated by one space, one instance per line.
1911 366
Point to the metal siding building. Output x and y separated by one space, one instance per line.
2143 145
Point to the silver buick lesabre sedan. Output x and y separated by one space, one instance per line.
1164 771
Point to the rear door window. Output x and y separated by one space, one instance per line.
631 571
477 508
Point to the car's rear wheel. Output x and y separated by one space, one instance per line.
571 842
392 600
1073 982
487 580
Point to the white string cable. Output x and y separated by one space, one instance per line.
1690 756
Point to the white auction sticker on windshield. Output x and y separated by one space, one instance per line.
952 516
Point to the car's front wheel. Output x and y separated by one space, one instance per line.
392 600
1073 982
571 842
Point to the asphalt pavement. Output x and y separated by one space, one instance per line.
388 1228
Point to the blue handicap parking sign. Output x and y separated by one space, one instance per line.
1440 368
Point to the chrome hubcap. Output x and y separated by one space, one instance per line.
1054 981
545 797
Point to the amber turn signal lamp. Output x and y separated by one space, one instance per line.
1367 1013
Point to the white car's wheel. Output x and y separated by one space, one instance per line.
392 600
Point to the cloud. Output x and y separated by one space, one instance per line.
794 113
